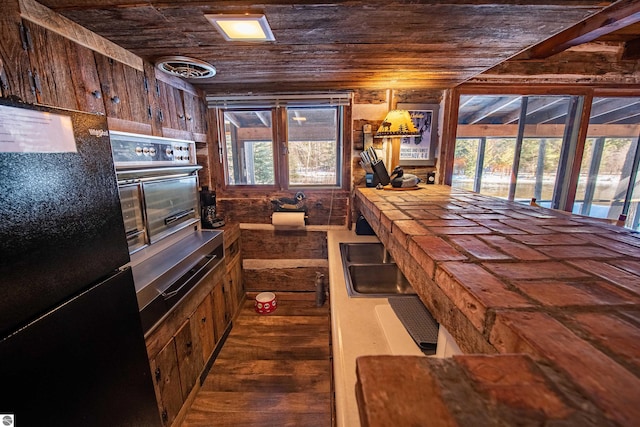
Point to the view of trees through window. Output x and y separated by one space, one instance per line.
497 156
313 147
311 141
536 173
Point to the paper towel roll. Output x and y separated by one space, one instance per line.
288 219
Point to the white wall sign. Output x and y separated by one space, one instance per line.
30 131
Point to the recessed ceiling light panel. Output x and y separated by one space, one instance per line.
185 67
248 28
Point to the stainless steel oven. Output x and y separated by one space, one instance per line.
170 253
158 185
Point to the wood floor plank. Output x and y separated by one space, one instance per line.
282 383
265 402
270 367
256 419
273 370
279 320
264 350
299 332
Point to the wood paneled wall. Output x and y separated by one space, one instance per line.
283 260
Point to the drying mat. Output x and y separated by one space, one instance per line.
417 320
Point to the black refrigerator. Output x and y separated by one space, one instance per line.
72 350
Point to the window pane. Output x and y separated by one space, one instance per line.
533 150
465 163
538 169
496 174
608 160
313 145
249 147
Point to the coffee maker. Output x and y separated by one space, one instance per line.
208 209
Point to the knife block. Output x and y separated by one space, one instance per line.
380 172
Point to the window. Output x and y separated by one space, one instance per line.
520 147
314 146
608 183
293 145
512 146
249 147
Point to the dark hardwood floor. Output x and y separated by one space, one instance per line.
273 370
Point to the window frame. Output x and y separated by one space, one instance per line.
570 183
280 148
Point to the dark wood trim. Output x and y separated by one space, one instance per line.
448 143
560 89
577 158
281 156
613 18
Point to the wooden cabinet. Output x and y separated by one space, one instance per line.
220 321
124 91
63 72
164 367
233 286
171 107
233 290
14 57
203 323
195 113
181 347
189 352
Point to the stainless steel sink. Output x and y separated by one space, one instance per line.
365 253
370 272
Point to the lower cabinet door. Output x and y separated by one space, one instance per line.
219 311
167 382
202 322
189 354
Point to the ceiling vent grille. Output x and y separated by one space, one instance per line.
187 68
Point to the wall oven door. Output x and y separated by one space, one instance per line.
171 204
132 213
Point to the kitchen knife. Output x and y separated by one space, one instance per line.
366 167
367 158
373 154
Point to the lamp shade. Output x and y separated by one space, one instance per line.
397 123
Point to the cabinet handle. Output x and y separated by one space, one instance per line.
189 345
204 319
115 99
158 375
96 94
160 116
165 416
181 116
189 117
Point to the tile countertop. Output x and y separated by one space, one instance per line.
561 291
363 326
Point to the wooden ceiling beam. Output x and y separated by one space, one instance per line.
619 15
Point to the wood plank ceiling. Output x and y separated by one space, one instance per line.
334 45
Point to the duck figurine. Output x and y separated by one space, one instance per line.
287 204
399 179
